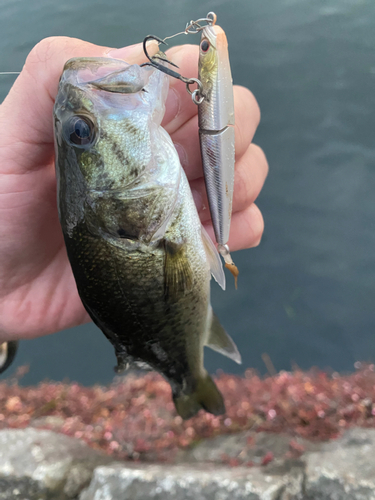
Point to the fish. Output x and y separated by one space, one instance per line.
141 258
8 351
216 132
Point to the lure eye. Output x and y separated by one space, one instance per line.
205 45
79 130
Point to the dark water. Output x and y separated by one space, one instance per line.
307 293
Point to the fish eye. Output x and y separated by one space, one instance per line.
79 130
205 45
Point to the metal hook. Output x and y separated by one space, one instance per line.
196 94
191 28
157 65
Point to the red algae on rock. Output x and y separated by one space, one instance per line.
134 418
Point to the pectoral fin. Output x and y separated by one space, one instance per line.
221 342
216 267
178 275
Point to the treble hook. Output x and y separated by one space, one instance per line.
156 65
196 94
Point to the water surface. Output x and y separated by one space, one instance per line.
307 293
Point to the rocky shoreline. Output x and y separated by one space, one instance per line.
42 465
295 435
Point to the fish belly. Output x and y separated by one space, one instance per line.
124 293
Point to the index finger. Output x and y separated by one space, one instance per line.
179 105
26 113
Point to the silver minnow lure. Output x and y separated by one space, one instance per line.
214 97
216 132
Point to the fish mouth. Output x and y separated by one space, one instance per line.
101 83
106 74
91 68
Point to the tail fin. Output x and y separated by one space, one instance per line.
205 395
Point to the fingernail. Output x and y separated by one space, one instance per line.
134 51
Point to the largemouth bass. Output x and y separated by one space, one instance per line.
140 257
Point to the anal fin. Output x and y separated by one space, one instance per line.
216 267
221 342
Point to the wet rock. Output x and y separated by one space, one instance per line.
248 446
42 465
60 465
343 469
23 489
187 482
51 422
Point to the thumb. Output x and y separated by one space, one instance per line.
26 113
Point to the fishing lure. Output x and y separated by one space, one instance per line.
214 97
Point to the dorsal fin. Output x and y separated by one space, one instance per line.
213 257
220 341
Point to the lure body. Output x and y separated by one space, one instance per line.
216 131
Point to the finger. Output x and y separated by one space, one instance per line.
26 112
246 229
247 116
250 174
179 105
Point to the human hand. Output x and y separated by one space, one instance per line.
38 295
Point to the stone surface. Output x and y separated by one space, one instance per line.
57 462
343 469
247 446
14 488
186 482
42 465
